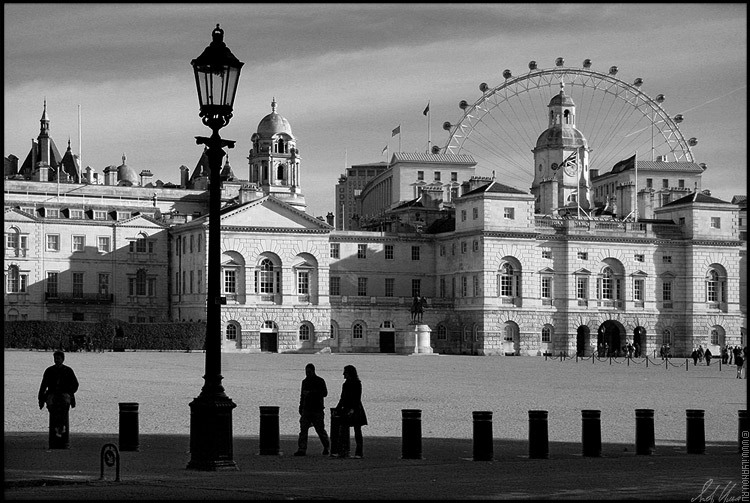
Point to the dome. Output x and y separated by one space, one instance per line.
561 100
274 123
556 137
126 174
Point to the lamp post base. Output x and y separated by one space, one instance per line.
211 434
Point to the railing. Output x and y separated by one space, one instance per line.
615 304
79 298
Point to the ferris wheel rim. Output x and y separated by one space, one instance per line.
666 125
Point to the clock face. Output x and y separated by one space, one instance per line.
554 166
570 170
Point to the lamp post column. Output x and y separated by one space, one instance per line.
211 412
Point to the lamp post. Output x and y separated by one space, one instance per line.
217 73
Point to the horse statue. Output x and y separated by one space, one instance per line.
417 308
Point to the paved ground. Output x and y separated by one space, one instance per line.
447 471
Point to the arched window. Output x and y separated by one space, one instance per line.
546 333
716 290
442 332
268 277
334 330
231 332
508 333
357 331
566 114
140 244
508 281
16 282
609 285
280 172
304 332
666 336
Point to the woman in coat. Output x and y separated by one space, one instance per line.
351 412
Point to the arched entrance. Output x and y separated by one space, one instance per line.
387 337
583 335
269 337
639 341
611 333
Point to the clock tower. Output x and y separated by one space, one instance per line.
561 161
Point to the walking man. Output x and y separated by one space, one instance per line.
57 391
312 411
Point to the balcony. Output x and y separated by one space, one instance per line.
79 298
611 304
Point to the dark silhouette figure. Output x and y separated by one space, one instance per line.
707 355
312 410
57 391
351 412
694 354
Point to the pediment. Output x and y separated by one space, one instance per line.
140 221
639 273
582 270
547 270
271 213
16 215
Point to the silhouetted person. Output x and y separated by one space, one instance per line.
58 388
312 411
694 354
351 412
707 355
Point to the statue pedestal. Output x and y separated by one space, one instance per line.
421 335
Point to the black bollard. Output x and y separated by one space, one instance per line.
591 433
743 428
59 429
482 435
695 432
411 434
269 430
538 436
128 426
644 432
335 431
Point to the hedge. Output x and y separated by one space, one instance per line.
108 335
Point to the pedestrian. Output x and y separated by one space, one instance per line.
351 412
694 354
700 353
739 361
57 391
707 355
724 354
730 350
312 411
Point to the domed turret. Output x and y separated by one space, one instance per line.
126 175
274 123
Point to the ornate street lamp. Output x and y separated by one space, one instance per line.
217 73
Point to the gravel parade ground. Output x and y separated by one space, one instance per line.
446 388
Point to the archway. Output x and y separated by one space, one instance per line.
387 337
583 334
639 341
269 337
610 334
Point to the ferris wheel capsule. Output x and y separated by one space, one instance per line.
532 65
587 63
435 149
560 61
703 166
447 125
507 74
678 118
463 105
660 98
612 70
483 87
693 141
638 82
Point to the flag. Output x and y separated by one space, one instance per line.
571 160
396 130
627 164
384 149
427 109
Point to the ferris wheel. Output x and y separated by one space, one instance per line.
618 119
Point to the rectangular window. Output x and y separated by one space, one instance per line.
11 241
546 254
546 287
176 282
152 287
103 244
123 215
582 288
335 286
509 213
415 252
464 286
389 283
681 183
638 290
52 212
437 176
76 214
303 282
442 250
78 284
639 257
665 183
442 288
389 252
665 198
52 284
362 287
475 283
649 183
420 175
666 259
230 281
666 291
100 215
79 243
454 176
715 222
474 213
453 287
463 247
681 221
335 250
150 246
416 288
103 283
199 282
192 281
463 215
362 251
475 245
583 255
184 282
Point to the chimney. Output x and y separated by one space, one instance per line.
146 177
329 219
184 176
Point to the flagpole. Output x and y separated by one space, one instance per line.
635 162
429 137
578 186
399 137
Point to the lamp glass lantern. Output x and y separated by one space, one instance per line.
217 74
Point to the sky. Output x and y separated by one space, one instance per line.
345 75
